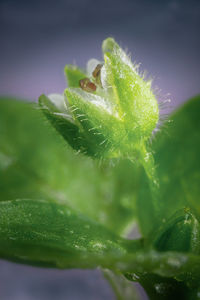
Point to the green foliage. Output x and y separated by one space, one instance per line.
180 233
177 157
35 163
176 153
50 234
59 208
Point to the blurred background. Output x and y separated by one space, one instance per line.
39 37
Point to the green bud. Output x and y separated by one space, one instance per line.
180 233
108 111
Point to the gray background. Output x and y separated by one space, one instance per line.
39 37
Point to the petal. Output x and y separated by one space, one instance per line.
91 65
59 101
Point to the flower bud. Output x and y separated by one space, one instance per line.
107 111
181 233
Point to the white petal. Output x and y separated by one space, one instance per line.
104 78
91 65
59 101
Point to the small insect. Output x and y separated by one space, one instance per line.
87 85
97 73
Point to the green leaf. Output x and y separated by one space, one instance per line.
50 234
177 158
36 163
180 233
73 75
133 95
63 123
101 128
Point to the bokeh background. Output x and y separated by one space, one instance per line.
37 38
